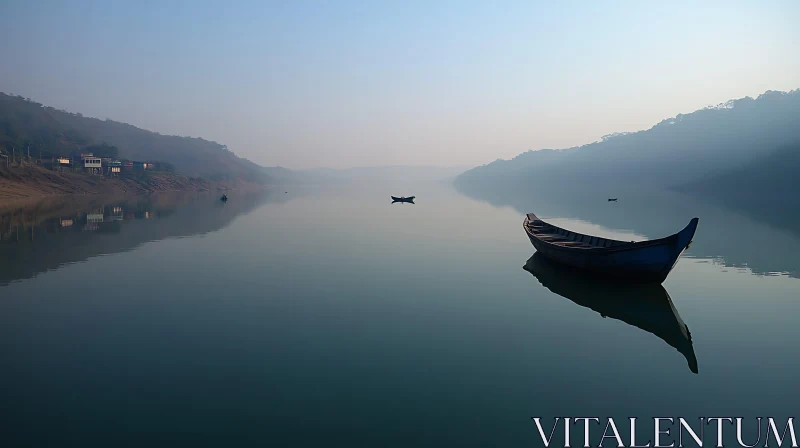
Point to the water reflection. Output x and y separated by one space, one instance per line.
647 307
654 214
44 235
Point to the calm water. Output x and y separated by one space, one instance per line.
334 318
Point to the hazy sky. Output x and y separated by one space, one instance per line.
346 83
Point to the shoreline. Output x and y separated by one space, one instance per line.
22 185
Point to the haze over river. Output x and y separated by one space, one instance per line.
331 317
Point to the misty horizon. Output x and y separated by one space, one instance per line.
720 105
357 84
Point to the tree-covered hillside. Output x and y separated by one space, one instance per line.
26 124
771 180
676 151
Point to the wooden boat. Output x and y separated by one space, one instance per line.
612 199
409 199
645 306
645 261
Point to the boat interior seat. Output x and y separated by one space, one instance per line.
552 238
549 235
572 244
563 237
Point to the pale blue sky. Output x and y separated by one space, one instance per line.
346 83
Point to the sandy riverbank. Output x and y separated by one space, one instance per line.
23 183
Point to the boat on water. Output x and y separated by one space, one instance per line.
645 261
645 306
224 198
409 199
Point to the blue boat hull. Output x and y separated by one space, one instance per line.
646 261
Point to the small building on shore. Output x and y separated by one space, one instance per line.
143 166
61 163
114 168
91 164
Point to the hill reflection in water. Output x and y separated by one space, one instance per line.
45 235
655 214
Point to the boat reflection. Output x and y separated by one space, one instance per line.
652 214
647 307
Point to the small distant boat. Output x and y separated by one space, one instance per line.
646 261
409 199
224 198
612 199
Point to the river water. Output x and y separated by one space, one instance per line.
331 317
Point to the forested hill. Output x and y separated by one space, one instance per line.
771 180
676 151
53 132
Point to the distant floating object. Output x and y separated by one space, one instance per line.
409 199
646 261
612 199
224 198
285 191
